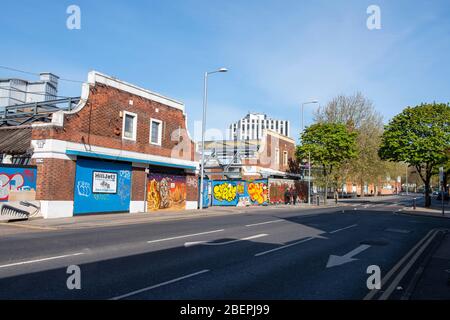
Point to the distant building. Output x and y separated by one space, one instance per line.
18 91
251 158
253 125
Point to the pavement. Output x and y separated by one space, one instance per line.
246 253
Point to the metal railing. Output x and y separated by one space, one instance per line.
29 112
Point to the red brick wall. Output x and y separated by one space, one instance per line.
138 181
99 123
192 187
55 180
267 156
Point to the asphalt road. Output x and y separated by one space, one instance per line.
266 254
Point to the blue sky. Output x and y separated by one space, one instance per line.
280 53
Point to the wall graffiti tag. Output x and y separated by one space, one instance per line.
17 183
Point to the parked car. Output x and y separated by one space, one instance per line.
446 197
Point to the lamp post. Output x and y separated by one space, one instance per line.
309 154
205 103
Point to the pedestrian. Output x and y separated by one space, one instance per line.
287 196
294 196
336 196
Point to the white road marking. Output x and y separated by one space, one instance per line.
283 247
40 260
159 285
185 236
335 231
397 230
208 243
334 260
408 266
261 223
391 272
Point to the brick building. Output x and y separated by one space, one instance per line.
121 149
250 159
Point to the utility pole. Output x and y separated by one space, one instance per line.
407 187
309 178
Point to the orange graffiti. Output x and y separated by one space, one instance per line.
258 192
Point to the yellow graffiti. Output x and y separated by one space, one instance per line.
240 188
257 192
225 192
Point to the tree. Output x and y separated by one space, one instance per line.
419 136
359 115
329 144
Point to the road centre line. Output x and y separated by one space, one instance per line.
159 285
262 223
342 229
283 247
41 260
186 236
208 243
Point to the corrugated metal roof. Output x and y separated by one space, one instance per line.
15 141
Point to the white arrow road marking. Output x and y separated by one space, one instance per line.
207 243
339 260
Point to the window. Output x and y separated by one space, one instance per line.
155 131
277 156
285 158
129 126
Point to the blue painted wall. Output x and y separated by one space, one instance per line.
85 201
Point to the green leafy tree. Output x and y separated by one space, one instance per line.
330 145
419 136
358 113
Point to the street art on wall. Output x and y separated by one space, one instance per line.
258 192
239 192
17 183
166 191
102 186
18 193
278 187
225 193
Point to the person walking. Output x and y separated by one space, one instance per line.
287 196
294 196
336 196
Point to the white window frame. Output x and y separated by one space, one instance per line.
134 115
285 158
159 133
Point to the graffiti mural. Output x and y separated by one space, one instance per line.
278 187
17 183
166 191
258 192
225 193
18 193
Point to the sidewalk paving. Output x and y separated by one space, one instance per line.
117 219
434 211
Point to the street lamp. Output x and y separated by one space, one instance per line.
205 103
309 155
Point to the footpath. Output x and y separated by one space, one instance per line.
117 219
